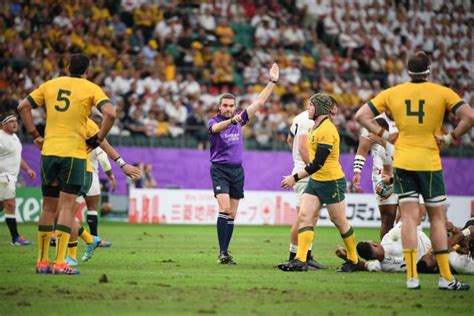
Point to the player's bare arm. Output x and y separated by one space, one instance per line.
263 96
303 148
29 171
363 149
24 109
466 115
109 118
129 170
365 117
289 140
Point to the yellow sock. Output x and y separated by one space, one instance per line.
442 258
84 234
44 238
305 238
62 239
350 242
410 260
72 249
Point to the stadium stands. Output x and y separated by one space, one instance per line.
163 65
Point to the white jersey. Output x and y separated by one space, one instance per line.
394 260
462 264
302 125
10 157
381 155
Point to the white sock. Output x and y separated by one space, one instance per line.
293 248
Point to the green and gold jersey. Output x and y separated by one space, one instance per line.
91 130
326 135
67 101
418 110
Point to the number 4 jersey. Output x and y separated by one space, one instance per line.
67 101
418 110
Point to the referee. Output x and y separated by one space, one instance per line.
225 136
11 161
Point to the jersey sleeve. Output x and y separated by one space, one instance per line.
305 127
293 129
92 128
211 122
245 117
99 98
453 101
379 104
36 98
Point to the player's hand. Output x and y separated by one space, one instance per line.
31 173
236 119
274 72
38 142
444 141
288 182
93 142
113 184
386 178
356 181
392 138
377 139
131 171
341 253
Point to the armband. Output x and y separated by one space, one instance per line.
296 177
359 162
466 232
120 161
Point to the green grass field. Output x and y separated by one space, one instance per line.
172 270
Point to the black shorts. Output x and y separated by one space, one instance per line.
228 179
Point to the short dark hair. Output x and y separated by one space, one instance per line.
383 123
78 64
364 249
422 267
226 96
418 65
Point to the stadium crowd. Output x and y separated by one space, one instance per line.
164 63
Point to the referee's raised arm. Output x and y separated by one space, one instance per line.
265 93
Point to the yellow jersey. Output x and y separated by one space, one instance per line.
91 130
67 101
418 110
326 134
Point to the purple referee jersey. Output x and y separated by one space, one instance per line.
227 145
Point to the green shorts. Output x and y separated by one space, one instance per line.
87 184
67 170
329 192
430 184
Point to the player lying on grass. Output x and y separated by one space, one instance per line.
387 256
461 251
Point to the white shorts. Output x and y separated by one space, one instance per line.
95 186
7 190
299 188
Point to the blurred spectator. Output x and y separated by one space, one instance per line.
156 60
